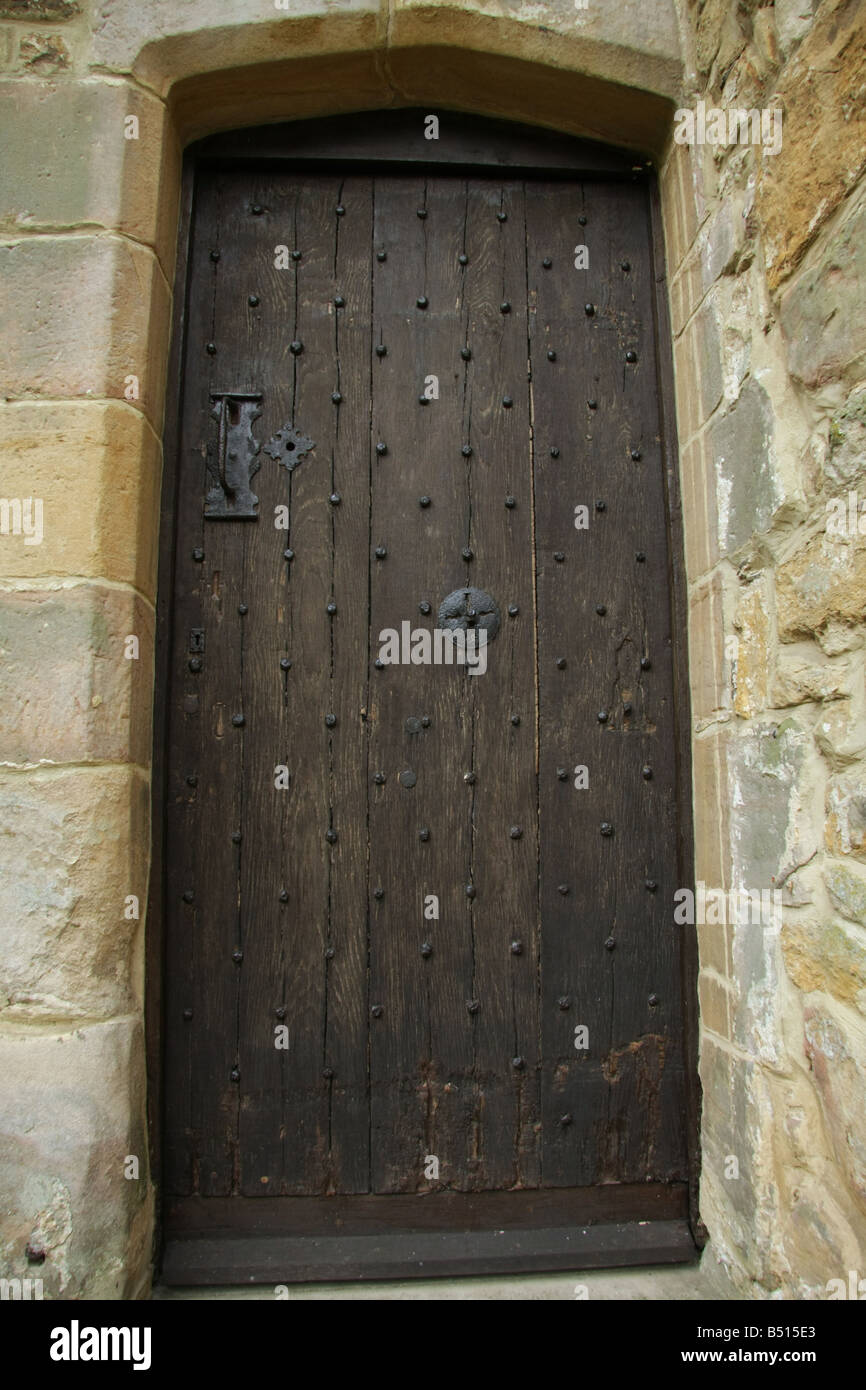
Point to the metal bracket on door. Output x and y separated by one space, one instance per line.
289 447
231 497
469 609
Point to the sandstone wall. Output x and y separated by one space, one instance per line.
765 266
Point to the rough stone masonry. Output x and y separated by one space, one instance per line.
766 268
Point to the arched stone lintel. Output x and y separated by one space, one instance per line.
475 81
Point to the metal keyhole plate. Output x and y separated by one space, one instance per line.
470 608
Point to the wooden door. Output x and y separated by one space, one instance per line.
421 973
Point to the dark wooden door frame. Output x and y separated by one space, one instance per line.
368 141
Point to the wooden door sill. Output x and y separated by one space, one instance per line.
225 1241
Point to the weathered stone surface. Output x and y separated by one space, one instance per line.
713 949
768 768
793 22
74 167
834 1044
43 54
82 313
802 676
846 464
712 811
840 732
751 674
71 1110
710 687
96 468
700 512
824 136
846 815
73 848
142 34
67 691
731 1129
714 1003
39 9
807 1211
847 888
635 44
717 35
826 957
742 445
292 65
823 311
723 247
823 582
683 203
698 365
629 43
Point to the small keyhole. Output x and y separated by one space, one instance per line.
289 447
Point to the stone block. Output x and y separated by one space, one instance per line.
840 733
629 43
721 247
713 950
752 668
826 957
711 804
793 22
710 685
53 10
622 47
699 371
823 583
683 204
43 55
846 464
847 888
71 1111
73 850
163 44
845 834
72 165
741 442
82 314
714 1003
730 1128
700 511
67 691
833 1042
686 292
768 765
96 468
802 676
823 152
771 770
823 311
710 23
